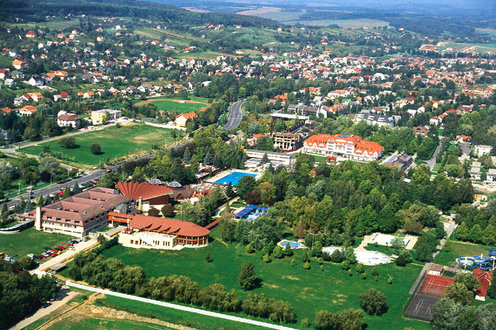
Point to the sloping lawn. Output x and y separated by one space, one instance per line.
30 241
307 290
182 106
461 249
115 142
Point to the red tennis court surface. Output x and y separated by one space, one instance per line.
435 285
430 291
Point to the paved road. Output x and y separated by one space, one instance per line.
178 307
63 298
235 116
431 162
465 152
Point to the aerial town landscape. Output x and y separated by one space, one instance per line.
243 165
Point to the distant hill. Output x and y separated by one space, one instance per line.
36 10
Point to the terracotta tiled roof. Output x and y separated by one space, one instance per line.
167 226
484 279
145 190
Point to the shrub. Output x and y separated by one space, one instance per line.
373 302
306 265
95 149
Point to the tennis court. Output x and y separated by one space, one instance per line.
430 291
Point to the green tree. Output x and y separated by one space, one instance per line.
168 211
68 142
459 293
247 277
246 184
373 302
467 279
96 149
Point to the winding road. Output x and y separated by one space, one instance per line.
235 116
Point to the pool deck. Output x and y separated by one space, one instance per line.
225 173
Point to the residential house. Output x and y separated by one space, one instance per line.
99 116
482 150
184 118
66 119
421 131
27 110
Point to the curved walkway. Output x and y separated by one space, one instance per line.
178 307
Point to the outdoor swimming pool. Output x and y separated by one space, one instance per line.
233 178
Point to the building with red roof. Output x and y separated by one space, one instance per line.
484 278
348 147
159 233
147 195
78 215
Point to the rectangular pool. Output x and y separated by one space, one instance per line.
233 178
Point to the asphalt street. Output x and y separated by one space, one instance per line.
235 116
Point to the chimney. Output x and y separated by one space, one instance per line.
37 220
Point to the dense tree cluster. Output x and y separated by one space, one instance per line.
353 199
21 294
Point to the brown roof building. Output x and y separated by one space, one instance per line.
78 215
159 233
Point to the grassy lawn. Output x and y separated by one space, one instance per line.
132 139
30 241
75 321
167 105
5 61
461 249
436 167
307 290
169 315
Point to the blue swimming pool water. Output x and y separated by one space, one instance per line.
291 244
233 178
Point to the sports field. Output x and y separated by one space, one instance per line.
30 241
307 290
115 142
175 105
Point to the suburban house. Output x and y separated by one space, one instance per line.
184 118
98 116
27 110
78 215
66 119
491 175
147 195
475 171
159 233
482 150
347 147
421 131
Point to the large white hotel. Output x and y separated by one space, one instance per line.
347 147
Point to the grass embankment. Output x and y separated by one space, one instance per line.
115 142
30 241
181 106
457 249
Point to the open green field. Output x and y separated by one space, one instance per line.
168 105
5 61
307 290
78 322
131 139
170 315
461 249
30 241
